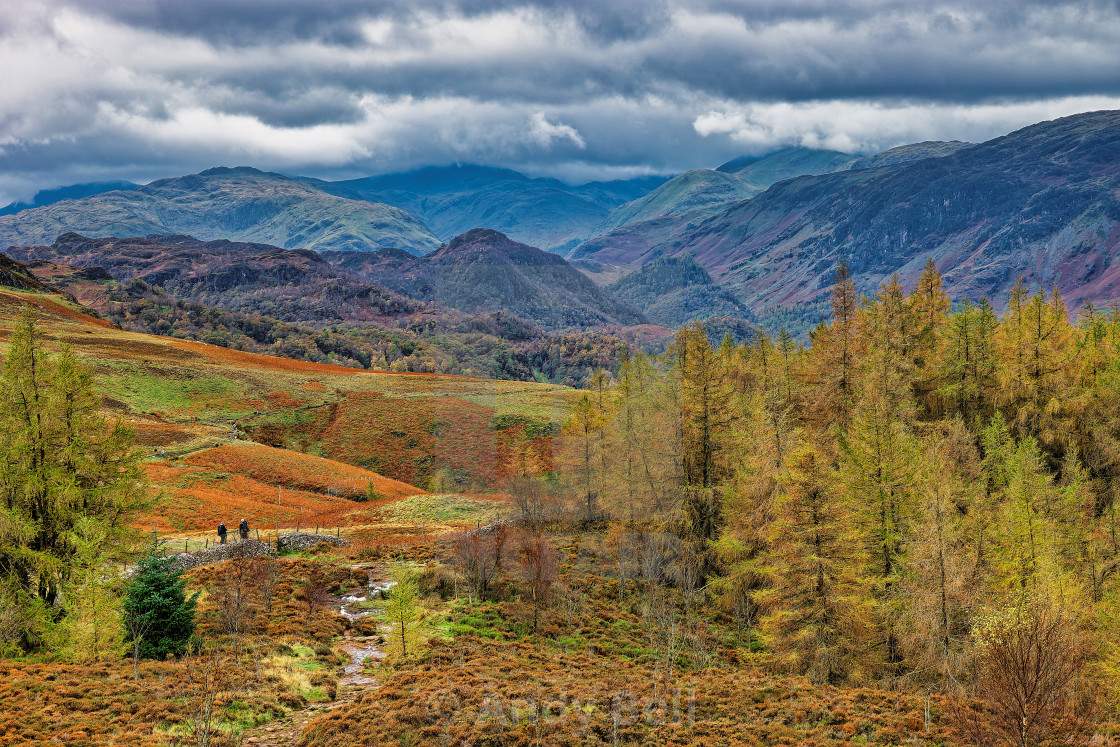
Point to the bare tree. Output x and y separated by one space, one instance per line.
1030 684
137 627
237 594
535 501
314 592
474 553
538 568
207 679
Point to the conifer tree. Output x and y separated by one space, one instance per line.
159 615
404 611
835 354
66 474
1036 346
705 397
938 584
815 606
929 304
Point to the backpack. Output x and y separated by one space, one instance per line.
221 529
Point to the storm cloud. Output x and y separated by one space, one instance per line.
140 89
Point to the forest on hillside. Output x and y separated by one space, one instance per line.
498 345
924 497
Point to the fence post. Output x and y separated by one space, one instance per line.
316 527
258 535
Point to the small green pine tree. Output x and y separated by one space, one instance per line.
158 613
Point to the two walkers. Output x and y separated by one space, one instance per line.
242 530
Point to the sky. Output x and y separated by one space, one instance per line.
589 89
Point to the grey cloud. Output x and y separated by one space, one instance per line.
127 88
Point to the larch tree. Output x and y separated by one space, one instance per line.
835 354
67 476
815 605
938 581
929 305
880 456
706 420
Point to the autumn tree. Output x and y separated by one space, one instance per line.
1031 665
815 605
880 455
929 307
583 454
967 367
537 567
1037 349
67 475
835 354
705 396
475 555
939 582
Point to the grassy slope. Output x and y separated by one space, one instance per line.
184 398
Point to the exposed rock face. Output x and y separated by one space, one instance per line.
305 540
247 549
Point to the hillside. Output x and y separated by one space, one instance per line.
692 190
46 197
541 212
240 204
182 396
746 177
292 303
17 276
758 173
911 152
295 285
1040 202
486 271
673 291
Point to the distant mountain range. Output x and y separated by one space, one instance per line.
241 204
452 200
46 197
1042 202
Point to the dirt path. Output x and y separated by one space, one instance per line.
355 678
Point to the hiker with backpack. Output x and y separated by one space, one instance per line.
221 533
243 529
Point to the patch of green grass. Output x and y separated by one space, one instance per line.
443 508
457 629
149 387
534 427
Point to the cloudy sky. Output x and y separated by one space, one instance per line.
96 90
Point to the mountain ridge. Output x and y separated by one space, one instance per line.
239 204
1039 202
